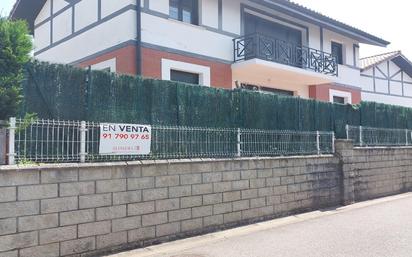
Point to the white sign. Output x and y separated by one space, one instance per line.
125 139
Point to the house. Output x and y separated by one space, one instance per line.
272 45
387 78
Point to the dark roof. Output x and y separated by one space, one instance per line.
29 9
396 57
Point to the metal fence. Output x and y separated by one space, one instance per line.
368 136
52 141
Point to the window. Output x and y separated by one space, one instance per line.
185 72
184 10
338 100
183 76
106 69
337 51
268 90
107 66
340 97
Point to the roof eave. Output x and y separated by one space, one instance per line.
27 10
288 7
313 17
13 10
404 63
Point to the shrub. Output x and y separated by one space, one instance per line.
15 48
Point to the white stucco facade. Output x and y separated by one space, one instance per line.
158 30
213 37
72 33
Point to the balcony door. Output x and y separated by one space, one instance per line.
275 41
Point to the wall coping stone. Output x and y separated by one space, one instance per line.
350 141
382 147
37 167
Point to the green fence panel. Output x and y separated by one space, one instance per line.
68 93
164 103
54 91
384 116
343 115
100 96
254 106
323 116
204 107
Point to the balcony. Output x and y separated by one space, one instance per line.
259 46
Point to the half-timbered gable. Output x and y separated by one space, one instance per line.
387 78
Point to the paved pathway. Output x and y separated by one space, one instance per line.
380 228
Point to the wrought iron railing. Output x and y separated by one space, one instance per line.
271 49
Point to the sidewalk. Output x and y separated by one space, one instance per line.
380 227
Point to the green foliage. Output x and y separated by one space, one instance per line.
27 121
15 47
68 93
25 162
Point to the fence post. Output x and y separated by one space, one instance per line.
12 131
239 143
333 142
318 142
83 142
347 131
406 137
360 136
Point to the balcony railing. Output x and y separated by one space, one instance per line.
271 49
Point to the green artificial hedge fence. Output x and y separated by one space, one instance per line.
68 93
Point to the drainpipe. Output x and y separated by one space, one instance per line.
138 38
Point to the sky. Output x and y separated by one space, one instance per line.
6 6
389 20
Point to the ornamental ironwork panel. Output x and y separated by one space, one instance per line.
272 49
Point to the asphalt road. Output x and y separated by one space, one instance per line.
381 228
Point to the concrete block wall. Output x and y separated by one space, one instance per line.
370 173
85 210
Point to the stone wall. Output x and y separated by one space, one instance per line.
370 173
56 210
86 210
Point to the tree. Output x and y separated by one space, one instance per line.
15 48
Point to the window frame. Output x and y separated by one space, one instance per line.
344 94
203 71
194 11
110 64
